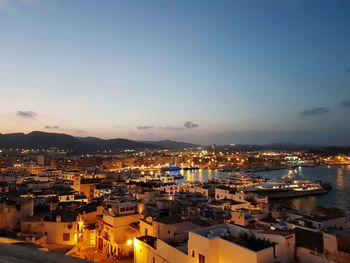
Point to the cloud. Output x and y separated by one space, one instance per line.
345 104
315 111
187 125
55 127
145 127
190 125
26 114
170 128
79 131
167 128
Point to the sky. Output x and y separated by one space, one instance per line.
235 71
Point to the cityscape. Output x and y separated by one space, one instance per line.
185 131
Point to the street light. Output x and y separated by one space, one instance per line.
129 242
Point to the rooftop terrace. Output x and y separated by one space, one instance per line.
235 235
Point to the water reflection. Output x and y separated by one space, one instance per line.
347 167
340 178
200 175
304 204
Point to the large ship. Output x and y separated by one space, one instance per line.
288 188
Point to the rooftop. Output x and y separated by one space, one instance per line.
149 240
250 242
224 187
309 238
234 235
86 208
169 219
278 232
10 253
179 245
268 220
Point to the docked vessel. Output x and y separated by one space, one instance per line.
288 189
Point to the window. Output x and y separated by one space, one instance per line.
193 254
201 258
153 260
146 232
66 237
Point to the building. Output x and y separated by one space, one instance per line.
40 160
59 227
222 243
167 228
13 210
117 227
73 197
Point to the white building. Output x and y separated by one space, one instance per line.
168 227
74 197
116 228
225 243
169 189
59 227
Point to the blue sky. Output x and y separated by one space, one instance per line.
203 71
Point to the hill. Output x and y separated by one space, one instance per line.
45 140
168 144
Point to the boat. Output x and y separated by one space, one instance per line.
292 173
190 168
171 167
288 189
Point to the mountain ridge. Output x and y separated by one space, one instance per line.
42 140
90 144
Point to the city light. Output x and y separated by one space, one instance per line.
129 242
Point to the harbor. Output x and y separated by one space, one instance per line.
338 177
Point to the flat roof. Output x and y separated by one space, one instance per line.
250 243
169 219
278 232
179 245
149 240
10 253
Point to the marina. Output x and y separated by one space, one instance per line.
338 176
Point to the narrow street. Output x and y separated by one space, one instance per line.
91 254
